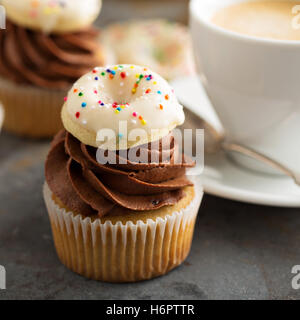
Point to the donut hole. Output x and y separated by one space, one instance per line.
125 91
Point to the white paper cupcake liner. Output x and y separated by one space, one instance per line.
118 252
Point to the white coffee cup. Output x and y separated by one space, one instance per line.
253 84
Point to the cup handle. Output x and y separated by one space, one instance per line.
191 93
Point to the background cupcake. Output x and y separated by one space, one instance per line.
46 46
128 220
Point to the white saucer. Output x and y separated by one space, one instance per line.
222 177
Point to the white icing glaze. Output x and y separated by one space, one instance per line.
90 102
53 15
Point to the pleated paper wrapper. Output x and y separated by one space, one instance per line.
118 252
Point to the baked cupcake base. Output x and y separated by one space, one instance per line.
31 111
128 248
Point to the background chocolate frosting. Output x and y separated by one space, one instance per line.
87 187
50 61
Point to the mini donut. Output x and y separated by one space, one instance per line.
128 94
162 46
57 16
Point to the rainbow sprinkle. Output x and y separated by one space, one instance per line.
140 77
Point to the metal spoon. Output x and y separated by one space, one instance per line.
220 143
234 147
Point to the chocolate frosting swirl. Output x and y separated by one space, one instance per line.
49 61
88 187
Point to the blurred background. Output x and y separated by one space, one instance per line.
120 10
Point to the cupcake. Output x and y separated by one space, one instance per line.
161 45
121 206
46 46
